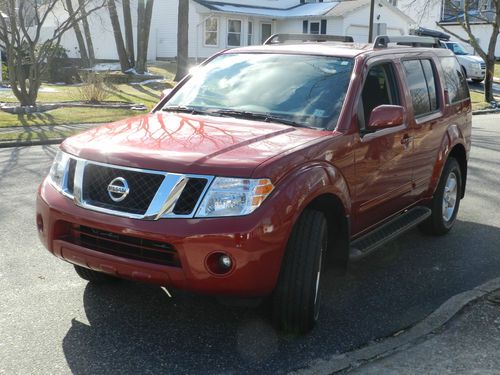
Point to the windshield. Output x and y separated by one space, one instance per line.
457 49
302 89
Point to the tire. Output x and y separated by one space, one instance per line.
446 200
296 299
93 276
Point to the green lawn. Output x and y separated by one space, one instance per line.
477 99
147 94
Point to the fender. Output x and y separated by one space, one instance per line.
310 181
451 138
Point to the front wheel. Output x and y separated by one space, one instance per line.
446 200
296 299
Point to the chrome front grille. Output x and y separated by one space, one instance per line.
150 195
143 187
483 65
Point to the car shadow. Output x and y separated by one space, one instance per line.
134 327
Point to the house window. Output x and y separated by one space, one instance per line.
250 33
211 31
234 33
314 27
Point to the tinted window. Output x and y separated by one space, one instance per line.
379 88
415 79
431 84
454 80
306 89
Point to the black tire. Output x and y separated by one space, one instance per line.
296 299
437 223
93 276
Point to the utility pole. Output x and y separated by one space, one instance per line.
370 31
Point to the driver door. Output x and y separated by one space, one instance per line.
382 157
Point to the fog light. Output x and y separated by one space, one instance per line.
225 262
219 263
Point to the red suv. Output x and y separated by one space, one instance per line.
263 166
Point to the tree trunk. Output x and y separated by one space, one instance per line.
120 47
129 32
88 35
79 37
182 40
144 14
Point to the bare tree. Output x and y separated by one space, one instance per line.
117 32
182 39
21 27
88 35
489 17
79 36
144 15
129 32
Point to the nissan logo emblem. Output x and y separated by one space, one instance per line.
118 189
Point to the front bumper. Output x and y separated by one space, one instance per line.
255 243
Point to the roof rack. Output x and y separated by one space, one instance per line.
283 38
382 41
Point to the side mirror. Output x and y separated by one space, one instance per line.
165 93
386 116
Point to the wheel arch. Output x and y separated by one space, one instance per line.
338 227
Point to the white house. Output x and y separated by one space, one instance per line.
216 25
428 13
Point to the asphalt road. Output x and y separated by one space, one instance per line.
53 322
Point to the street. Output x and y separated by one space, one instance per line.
53 322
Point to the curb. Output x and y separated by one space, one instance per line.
394 344
52 141
486 111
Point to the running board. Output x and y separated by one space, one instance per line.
363 246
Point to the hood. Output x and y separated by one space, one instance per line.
471 58
182 143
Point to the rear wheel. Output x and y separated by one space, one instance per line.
296 299
93 276
446 200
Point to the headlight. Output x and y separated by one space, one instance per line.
234 196
58 169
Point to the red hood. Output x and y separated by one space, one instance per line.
189 144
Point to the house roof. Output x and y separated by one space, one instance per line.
301 10
348 6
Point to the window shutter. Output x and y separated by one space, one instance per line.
305 26
323 26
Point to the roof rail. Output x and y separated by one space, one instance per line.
283 38
382 41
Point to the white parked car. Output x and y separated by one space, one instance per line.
473 66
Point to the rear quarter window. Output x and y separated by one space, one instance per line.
454 79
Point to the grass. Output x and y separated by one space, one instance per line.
497 70
477 99
147 94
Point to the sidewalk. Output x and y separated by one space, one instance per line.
468 344
40 134
461 337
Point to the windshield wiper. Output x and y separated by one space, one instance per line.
260 116
184 109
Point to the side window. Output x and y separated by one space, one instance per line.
454 80
430 78
422 84
379 88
